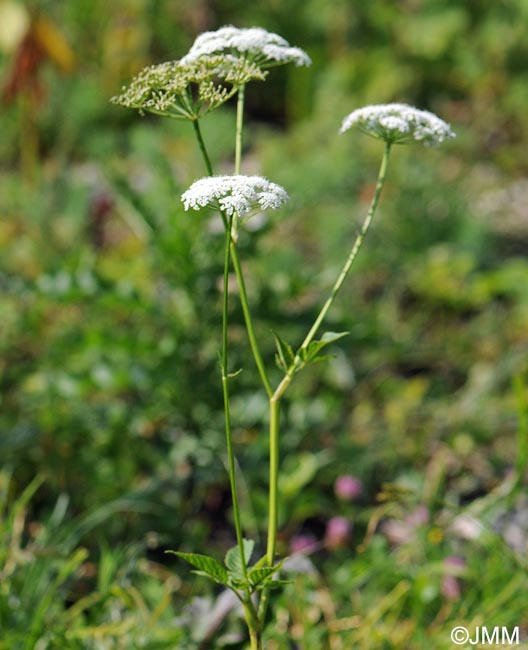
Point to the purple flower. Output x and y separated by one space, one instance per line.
451 588
348 488
304 543
454 563
338 530
402 532
418 517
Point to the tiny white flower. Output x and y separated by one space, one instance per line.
394 123
258 45
234 194
399 124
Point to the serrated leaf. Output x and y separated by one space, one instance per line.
233 561
197 572
275 584
237 584
259 576
207 566
284 357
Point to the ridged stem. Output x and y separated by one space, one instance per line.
239 127
225 391
201 144
281 388
275 399
231 255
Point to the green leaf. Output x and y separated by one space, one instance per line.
284 357
207 566
233 561
259 576
311 353
331 337
275 584
261 564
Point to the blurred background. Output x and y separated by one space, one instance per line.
403 456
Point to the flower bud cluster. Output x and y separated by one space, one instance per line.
191 89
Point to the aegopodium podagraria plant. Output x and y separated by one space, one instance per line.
218 66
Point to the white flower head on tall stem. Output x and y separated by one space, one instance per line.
240 195
253 43
399 124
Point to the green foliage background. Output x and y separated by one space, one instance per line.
109 305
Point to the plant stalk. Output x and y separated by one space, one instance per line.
281 388
234 254
274 403
249 321
253 623
255 350
225 391
249 609
203 150
273 478
239 126
355 249
231 255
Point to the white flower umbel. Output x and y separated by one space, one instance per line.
256 44
399 124
239 195
188 90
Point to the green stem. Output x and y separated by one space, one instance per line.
274 403
236 261
273 479
249 321
225 390
254 638
273 499
253 624
234 254
355 248
249 609
231 254
522 430
281 388
239 127
203 150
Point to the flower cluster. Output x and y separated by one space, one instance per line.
348 488
188 90
234 194
215 67
399 124
258 45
